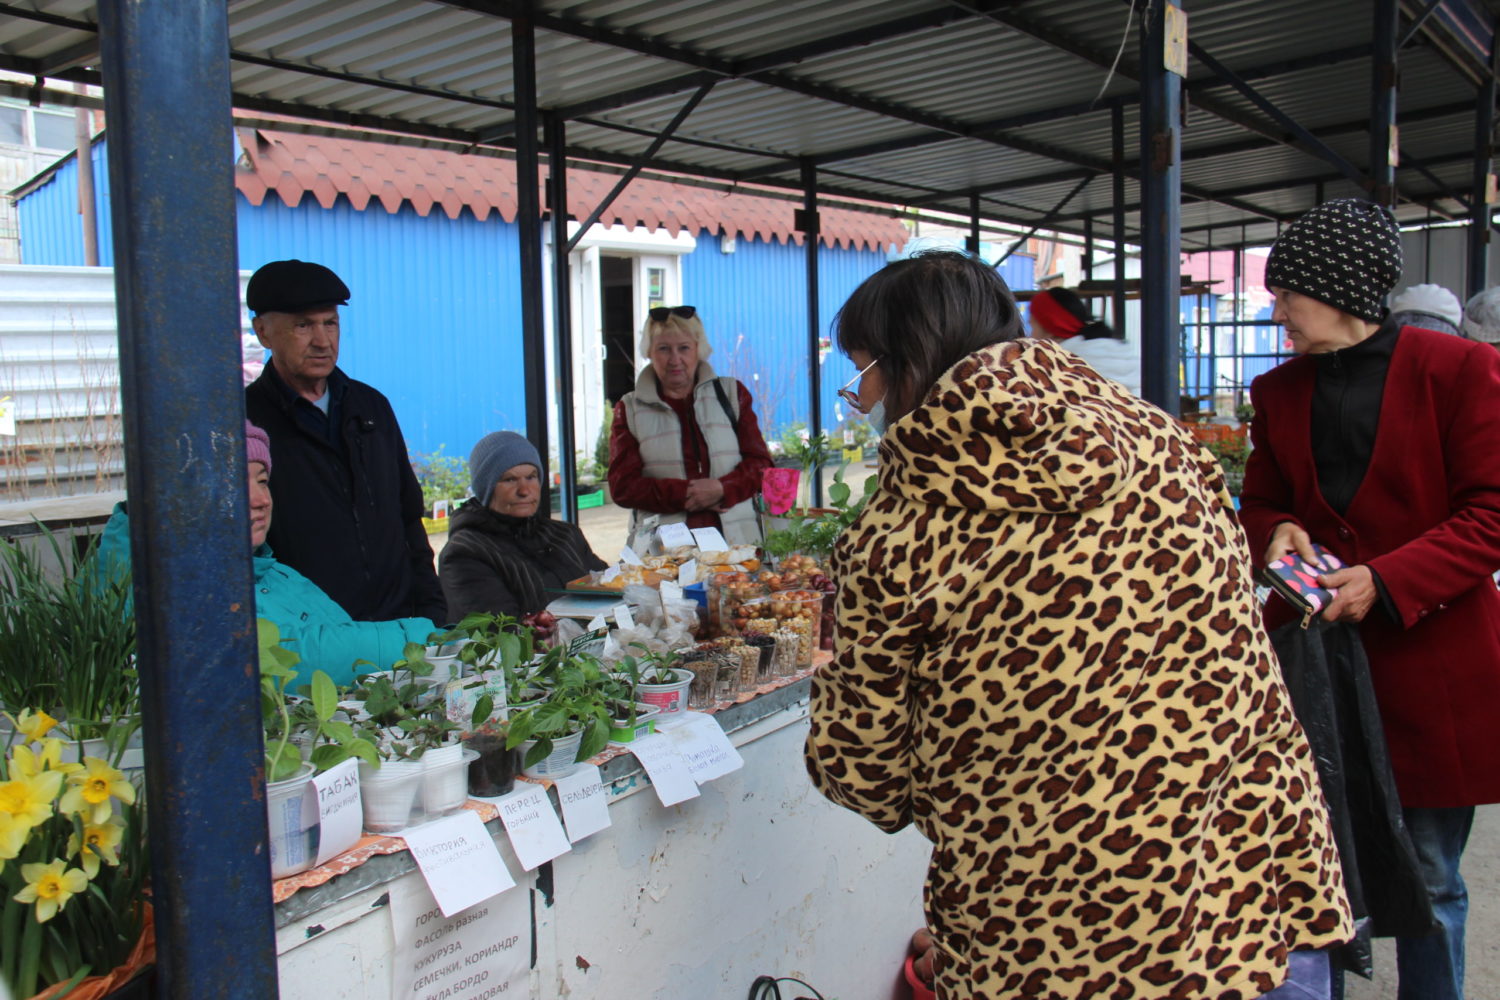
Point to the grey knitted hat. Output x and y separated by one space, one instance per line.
494 456
1345 252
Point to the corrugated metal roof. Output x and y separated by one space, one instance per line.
962 98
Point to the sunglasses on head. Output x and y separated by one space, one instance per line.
660 313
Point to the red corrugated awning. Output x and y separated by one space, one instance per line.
295 165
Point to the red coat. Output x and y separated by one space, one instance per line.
1426 518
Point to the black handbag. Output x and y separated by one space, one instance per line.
1328 675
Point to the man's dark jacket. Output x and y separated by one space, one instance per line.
347 515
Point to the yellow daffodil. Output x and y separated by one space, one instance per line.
34 724
50 887
27 799
28 763
90 790
98 843
13 835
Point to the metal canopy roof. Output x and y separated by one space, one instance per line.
914 102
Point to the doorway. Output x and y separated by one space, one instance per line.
617 324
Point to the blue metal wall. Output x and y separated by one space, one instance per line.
754 302
51 231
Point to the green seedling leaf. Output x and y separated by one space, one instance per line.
325 697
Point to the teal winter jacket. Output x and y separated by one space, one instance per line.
312 624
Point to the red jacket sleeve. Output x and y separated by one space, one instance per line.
743 481
1459 553
628 484
1266 495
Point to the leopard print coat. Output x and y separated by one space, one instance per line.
1050 660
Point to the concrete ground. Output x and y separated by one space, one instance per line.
1481 870
605 528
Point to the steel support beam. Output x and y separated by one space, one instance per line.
808 222
1480 209
562 313
1117 298
1383 141
1161 210
1021 240
641 160
166 76
972 243
529 235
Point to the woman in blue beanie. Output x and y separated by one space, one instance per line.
312 624
502 556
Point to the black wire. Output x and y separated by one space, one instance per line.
766 988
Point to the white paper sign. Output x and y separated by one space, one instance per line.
610 575
585 805
705 747
670 591
628 556
675 535
459 861
484 951
709 540
534 830
339 812
598 622
623 616
668 772
687 573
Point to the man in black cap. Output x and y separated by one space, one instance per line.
348 507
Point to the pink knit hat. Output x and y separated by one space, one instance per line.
257 445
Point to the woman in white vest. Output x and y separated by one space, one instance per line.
685 445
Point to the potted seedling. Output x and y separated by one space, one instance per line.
572 724
657 679
294 841
492 769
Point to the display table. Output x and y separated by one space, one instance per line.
758 875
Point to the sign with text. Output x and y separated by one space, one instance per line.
534 830
704 746
709 540
675 535
585 804
459 860
340 813
666 768
475 954
623 617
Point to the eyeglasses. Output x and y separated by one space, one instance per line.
660 313
851 397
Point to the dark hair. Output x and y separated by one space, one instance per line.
1094 328
921 316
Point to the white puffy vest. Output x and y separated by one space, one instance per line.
659 434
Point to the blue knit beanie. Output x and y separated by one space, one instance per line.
494 456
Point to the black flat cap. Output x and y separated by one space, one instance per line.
294 286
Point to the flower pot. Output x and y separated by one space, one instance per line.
445 779
563 760
294 834
622 731
919 989
492 772
444 661
669 698
388 793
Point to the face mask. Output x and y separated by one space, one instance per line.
876 416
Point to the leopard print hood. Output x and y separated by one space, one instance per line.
1021 426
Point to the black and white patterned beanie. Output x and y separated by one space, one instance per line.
1345 252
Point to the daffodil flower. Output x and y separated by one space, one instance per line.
13 834
50 886
27 799
90 790
29 763
34 724
98 843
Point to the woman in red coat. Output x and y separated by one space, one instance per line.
1379 444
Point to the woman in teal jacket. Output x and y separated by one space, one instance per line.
312 625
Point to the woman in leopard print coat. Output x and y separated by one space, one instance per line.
1049 659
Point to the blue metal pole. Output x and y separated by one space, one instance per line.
166 84
1161 206
556 129
807 221
1480 208
529 232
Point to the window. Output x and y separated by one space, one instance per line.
53 130
13 125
